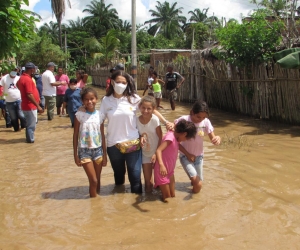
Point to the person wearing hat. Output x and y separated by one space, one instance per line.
13 99
49 89
39 86
119 66
30 100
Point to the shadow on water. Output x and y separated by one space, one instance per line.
12 141
70 193
64 126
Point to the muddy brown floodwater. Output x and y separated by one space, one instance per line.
250 198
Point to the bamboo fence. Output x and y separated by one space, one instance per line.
264 91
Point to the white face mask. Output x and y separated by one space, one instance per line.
73 86
119 88
13 73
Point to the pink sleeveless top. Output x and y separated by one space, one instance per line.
80 84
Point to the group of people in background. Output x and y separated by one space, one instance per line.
154 85
24 93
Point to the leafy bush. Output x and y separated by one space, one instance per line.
250 42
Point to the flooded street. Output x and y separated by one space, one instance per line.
250 197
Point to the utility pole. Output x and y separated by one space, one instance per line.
66 51
133 43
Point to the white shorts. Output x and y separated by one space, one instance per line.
157 95
146 159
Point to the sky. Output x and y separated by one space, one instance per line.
220 8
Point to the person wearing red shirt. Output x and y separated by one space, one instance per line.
108 79
30 100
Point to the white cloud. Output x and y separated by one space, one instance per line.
31 5
220 8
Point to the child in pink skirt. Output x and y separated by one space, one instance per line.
166 156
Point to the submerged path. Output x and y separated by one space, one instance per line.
250 197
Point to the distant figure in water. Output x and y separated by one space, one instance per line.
89 141
192 160
166 155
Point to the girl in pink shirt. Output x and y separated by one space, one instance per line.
166 156
191 156
81 77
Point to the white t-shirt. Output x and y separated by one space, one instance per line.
121 117
149 132
89 130
195 145
47 79
150 80
10 89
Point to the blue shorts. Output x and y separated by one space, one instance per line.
90 154
192 168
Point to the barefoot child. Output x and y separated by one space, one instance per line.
88 140
166 155
151 134
192 161
156 86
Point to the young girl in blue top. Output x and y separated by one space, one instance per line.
89 141
72 100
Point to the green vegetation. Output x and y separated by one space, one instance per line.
42 50
101 34
17 27
252 41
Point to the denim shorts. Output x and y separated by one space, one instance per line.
192 168
89 154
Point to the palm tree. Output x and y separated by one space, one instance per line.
125 26
104 48
167 19
198 16
50 30
77 24
58 8
277 7
109 45
102 18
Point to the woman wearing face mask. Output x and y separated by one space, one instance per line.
119 106
72 100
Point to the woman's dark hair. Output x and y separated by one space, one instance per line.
81 73
129 91
200 106
84 91
154 73
186 126
73 80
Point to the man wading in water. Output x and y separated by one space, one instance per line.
171 85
